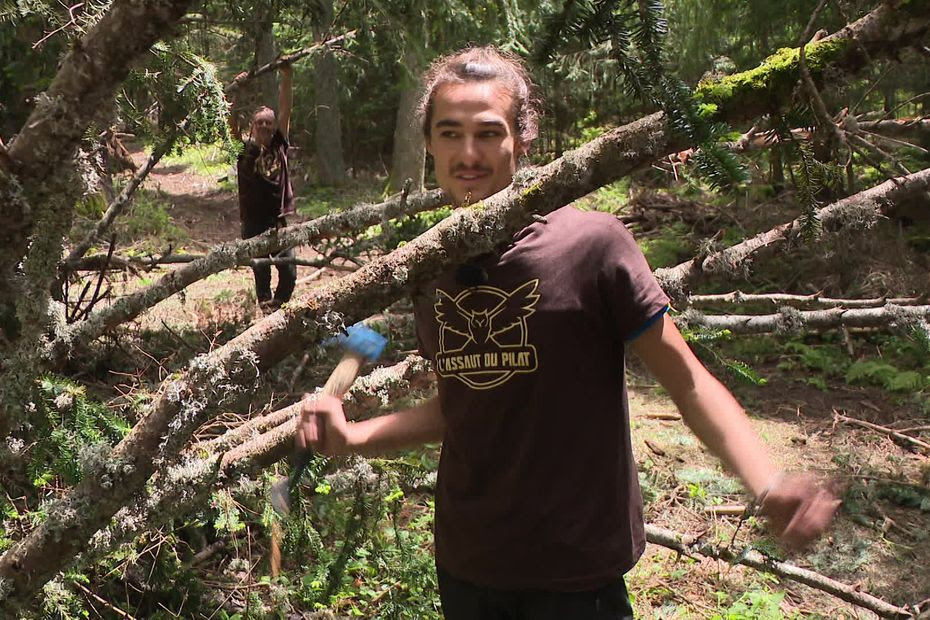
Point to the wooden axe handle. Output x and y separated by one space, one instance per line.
344 374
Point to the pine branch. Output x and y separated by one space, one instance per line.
287 59
87 79
247 450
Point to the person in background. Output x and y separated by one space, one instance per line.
266 196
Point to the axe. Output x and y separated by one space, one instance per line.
361 343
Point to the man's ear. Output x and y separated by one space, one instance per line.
429 145
521 148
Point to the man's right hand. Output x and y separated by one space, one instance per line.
323 426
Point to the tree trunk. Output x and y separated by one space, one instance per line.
409 155
331 169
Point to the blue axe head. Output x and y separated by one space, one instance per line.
361 340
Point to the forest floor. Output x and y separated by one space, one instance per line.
881 538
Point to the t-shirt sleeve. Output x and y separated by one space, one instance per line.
631 294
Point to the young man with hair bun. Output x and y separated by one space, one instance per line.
538 506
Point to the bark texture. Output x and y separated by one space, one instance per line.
328 134
791 320
409 156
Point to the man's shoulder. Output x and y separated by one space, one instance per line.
590 224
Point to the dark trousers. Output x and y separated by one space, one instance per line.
462 600
287 273
287 277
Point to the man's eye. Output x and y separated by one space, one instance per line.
449 134
489 134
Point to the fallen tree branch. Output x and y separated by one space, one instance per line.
758 140
228 255
839 417
814 299
96 262
247 449
851 594
286 59
859 210
791 320
87 79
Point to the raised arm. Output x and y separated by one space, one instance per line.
799 508
285 98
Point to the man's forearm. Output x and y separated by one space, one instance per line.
715 417
395 431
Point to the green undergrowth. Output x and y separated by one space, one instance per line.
209 160
145 226
898 362
315 201
72 424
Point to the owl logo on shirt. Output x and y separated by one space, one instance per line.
483 336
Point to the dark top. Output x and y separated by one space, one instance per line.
537 486
265 191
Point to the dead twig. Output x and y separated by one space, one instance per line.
837 416
691 546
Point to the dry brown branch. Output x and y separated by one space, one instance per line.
839 417
686 545
124 199
96 262
726 510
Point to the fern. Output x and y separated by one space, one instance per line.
907 381
870 371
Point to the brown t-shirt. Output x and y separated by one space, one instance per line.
265 191
537 486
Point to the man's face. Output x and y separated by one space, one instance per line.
473 140
263 125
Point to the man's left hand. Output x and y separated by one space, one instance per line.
799 509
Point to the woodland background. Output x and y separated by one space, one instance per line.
146 405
